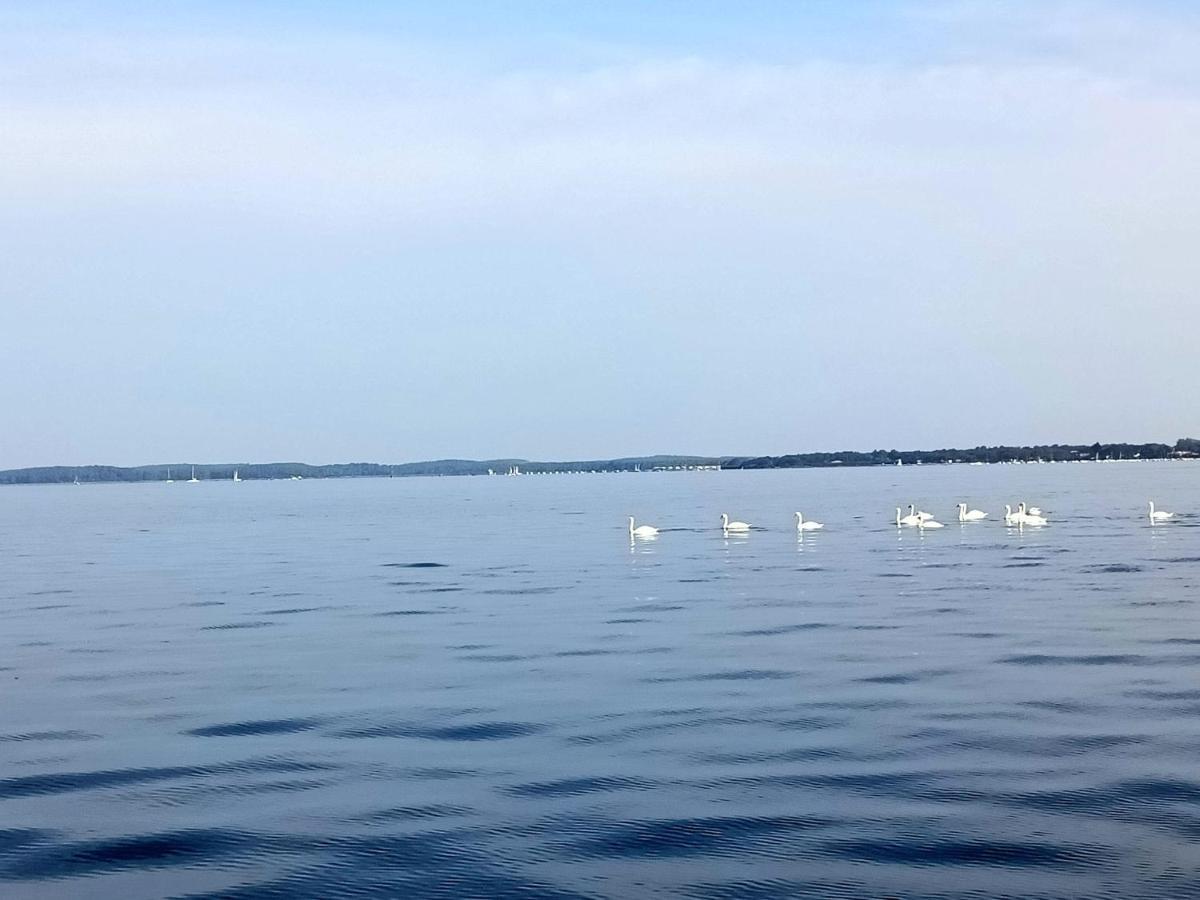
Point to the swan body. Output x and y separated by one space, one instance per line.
726 525
1034 510
970 515
929 523
1158 515
642 531
923 516
1024 517
909 520
802 525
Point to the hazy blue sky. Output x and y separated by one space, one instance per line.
393 231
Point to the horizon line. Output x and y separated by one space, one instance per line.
1184 446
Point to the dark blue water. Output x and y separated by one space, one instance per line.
476 687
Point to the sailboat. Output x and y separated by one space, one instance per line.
236 476
193 479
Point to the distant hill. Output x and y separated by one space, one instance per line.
1182 449
255 471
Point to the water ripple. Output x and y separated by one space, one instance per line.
1007 854
68 782
257 727
64 859
709 837
910 717
572 787
479 731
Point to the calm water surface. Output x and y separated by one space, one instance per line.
475 687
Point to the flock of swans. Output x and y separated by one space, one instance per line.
1020 517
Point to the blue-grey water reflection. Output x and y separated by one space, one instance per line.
482 687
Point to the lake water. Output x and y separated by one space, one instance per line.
476 687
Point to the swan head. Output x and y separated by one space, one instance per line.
724 519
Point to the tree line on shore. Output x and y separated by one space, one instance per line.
1183 448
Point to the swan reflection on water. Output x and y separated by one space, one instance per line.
813 542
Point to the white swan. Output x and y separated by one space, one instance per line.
909 520
642 531
929 523
923 516
970 515
1010 517
726 525
1027 518
802 525
1158 515
1034 510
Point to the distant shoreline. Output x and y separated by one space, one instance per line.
1185 448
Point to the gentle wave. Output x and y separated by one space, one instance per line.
367 692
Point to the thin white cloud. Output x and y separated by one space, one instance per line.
672 121
1028 187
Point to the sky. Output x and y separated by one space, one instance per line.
547 229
